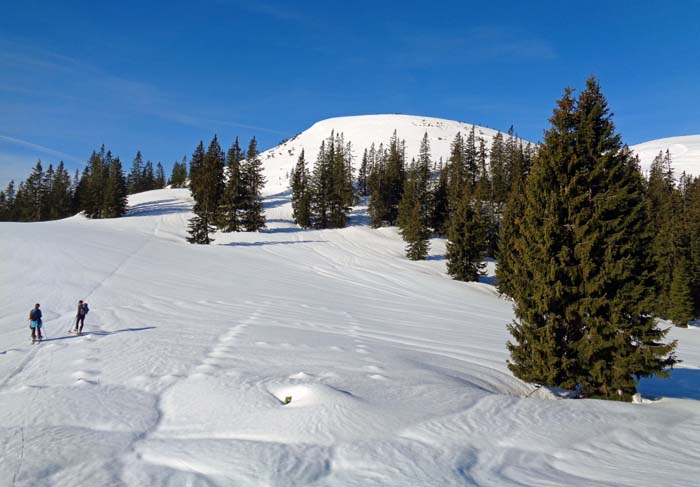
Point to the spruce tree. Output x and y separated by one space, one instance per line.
583 288
413 215
386 183
465 240
693 221
148 177
439 203
680 310
497 167
178 177
301 193
253 218
61 194
199 226
7 210
456 172
510 243
135 178
231 201
661 202
160 176
321 186
35 189
363 175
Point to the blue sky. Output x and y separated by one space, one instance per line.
160 76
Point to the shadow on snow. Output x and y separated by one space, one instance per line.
260 244
159 207
682 384
99 333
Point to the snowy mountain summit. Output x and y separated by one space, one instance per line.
362 131
685 153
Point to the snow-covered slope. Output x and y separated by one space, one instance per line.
685 153
362 131
397 374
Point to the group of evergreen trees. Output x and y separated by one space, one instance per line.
587 248
227 190
322 198
44 195
100 191
674 208
576 256
462 200
142 176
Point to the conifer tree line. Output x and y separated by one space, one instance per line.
580 253
322 196
100 191
45 195
143 177
462 199
674 208
226 188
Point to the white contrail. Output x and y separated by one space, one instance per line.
37 147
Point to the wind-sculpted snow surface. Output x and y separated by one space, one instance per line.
293 358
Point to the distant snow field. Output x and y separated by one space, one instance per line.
685 153
295 357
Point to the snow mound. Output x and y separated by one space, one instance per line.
685 153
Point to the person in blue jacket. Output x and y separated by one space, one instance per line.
35 323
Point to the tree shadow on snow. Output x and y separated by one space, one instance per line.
260 244
276 200
435 257
290 229
490 280
682 384
159 207
98 333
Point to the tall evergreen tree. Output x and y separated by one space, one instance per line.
7 209
662 204
583 288
680 310
439 203
35 189
178 177
135 177
466 243
386 183
230 210
413 213
148 177
497 167
160 176
363 175
253 218
201 175
301 193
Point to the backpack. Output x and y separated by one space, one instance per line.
85 308
32 315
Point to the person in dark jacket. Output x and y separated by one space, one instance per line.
35 323
80 317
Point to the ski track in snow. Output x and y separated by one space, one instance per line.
397 374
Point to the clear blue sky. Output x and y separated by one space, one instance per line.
160 76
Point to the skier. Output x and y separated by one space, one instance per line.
80 317
35 323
